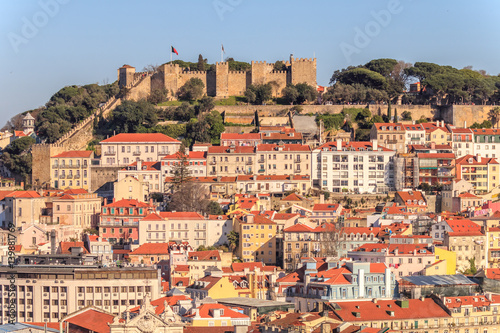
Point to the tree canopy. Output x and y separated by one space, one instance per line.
191 90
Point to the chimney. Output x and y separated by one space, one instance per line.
433 145
374 145
186 151
339 145
249 218
139 165
53 242
465 123
321 198
478 158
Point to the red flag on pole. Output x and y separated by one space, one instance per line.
174 51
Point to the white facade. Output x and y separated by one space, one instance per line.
415 135
359 167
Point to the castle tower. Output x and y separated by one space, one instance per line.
126 75
170 74
221 79
259 72
28 124
303 70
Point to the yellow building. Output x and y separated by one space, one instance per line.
493 247
482 172
213 285
215 315
257 239
71 169
131 188
437 268
472 313
449 257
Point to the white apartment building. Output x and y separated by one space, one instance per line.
50 292
415 135
125 148
359 167
462 141
487 142
191 227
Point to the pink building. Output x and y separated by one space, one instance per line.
403 259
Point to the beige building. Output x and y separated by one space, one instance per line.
76 208
274 184
390 135
126 148
71 169
230 161
40 298
130 187
23 208
148 172
467 245
283 159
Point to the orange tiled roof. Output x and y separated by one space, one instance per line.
140 138
75 154
151 248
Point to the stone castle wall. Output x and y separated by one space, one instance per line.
223 83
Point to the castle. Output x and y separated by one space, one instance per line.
222 82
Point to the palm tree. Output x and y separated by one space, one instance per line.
494 115
233 239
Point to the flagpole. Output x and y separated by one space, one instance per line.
170 53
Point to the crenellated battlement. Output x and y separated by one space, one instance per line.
223 82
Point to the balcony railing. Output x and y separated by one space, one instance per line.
109 153
136 153
249 162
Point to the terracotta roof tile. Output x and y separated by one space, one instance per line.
140 137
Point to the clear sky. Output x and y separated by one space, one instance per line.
48 44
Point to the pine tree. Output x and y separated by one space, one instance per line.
201 63
181 172
389 115
395 115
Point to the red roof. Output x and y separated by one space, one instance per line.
227 149
436 155
191 155
474 160
129 203
240 136
147 166
299 227
412 196
463 225
326 207
153 217
66 247
204 255
151 248
370 311
92 320
23 194
159 303
206 311
75 154
181 216
379 126
4 194
493 273
468 195
473 301
284 147
54 326
139 138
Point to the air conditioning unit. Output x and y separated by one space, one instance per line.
34 281
28 294
80 295
27 281
45 295
115 294
115 307
106 295
63 295
45 307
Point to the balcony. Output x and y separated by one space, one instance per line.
249 162
297 160
109 153
163 153
213 173
262 170
76 176
261 160
69 176
391 142
136 153
212 162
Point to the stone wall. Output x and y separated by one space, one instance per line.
303 70
238 81
102 179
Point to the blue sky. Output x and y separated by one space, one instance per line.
80 42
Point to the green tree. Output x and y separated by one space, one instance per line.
181 173
306 92
279 66
494 115
406 115
290 93
396 115
184 112
16 156
191 90
158 96
130 115
201 63
389 115
382 66
213 208
233 239
258 93
205 104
